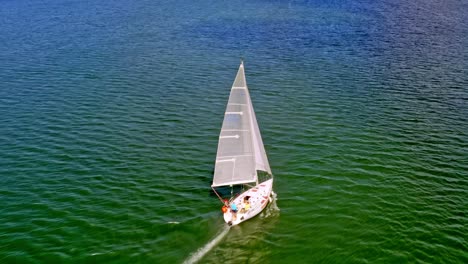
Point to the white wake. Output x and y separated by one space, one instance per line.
209 246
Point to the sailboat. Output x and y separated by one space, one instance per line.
241 161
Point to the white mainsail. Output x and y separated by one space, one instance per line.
240 149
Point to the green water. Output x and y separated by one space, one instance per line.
110 114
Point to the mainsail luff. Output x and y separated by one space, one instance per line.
240 149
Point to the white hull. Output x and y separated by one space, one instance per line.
259 198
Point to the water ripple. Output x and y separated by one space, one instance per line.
110 113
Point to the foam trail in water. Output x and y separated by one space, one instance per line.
274 197
209 246
272 209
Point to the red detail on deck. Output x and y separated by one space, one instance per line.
254 190
263 201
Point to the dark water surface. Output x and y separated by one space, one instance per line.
110 113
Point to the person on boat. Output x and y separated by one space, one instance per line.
225 207
234 211
245 205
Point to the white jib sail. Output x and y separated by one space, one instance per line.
240 148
